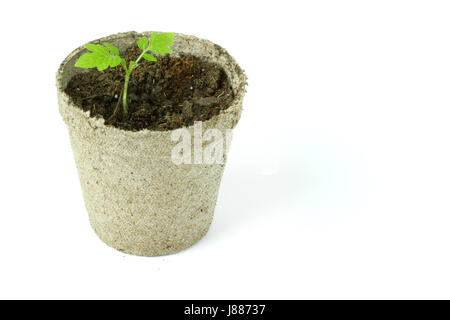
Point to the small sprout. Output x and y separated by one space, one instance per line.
107 55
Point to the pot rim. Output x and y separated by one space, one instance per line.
238 82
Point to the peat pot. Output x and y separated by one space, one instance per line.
138 200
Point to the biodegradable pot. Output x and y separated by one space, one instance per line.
138 200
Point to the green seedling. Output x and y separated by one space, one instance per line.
107 55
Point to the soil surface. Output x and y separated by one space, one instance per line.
164 95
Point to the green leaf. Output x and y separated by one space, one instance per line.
99 57
160 42
123 62
87 60
142 43
115 61
149 57
90 47
112 49
103 65
97 48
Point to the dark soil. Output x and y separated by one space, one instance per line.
164 95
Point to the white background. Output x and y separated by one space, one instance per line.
337 184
